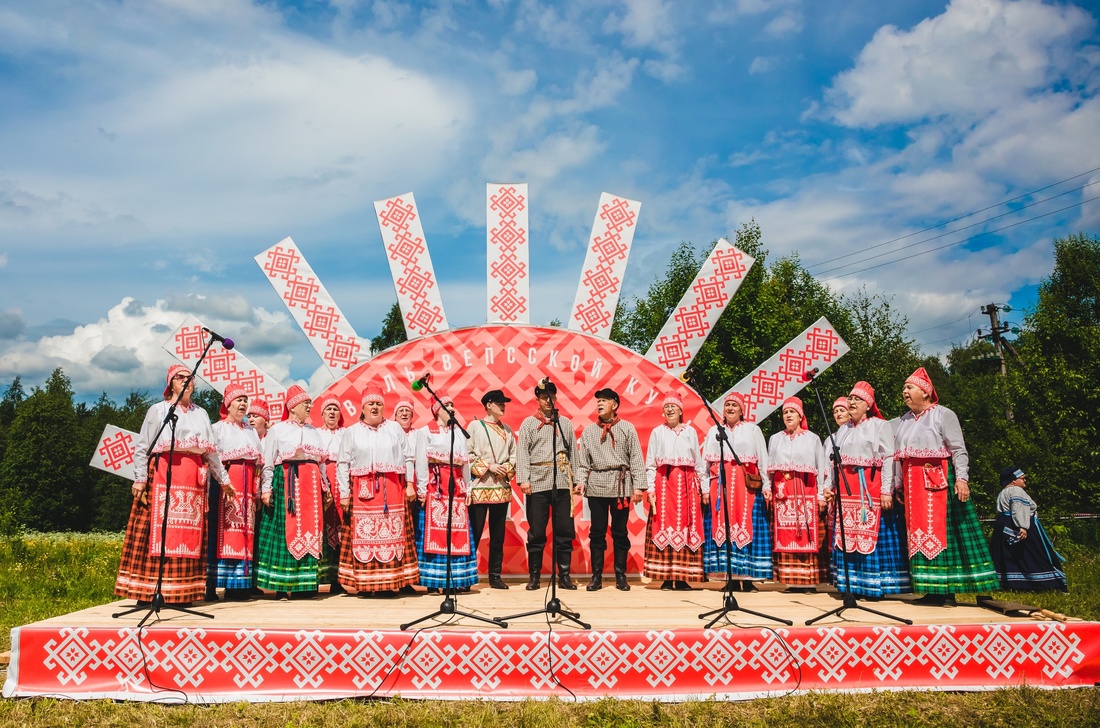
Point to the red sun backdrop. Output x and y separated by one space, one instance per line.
466 363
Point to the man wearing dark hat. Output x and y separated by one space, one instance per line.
540 464
611 474
493 463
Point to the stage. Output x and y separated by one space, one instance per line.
644 644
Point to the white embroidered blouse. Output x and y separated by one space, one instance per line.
193 434
747 440
673 447
364 449
936 433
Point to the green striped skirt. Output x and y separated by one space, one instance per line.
276 569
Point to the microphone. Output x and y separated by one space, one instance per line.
809 374
419 383
227 343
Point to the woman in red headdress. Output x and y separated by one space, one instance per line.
947 549
331 431
189 458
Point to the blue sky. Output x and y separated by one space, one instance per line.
148 150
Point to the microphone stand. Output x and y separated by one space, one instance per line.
157 603
729 601
553 606
449 606
849 600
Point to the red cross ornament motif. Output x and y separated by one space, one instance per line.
117 451
282 262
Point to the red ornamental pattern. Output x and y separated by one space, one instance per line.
311 306
414 278
601 282
117 450
700 308
219 663
508 270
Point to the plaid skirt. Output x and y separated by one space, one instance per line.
433 567
184 579
1030 564
669 564
883 571
754 561
794 569
276 569
965 564
374 576
234 574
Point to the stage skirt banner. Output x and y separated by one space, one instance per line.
467 363
378 518
163 663
186 508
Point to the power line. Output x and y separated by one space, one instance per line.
940 326
960 242
956 219
952 232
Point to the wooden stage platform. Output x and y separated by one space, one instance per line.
644 644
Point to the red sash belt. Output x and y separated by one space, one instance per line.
435 512
925 481
332 524
235 519
794 500
186 509
741 501
861 509
302 490
678 520
378 518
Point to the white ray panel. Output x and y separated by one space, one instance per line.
507 238
604 265
222 366
411 266
333 338
782 376
692 320
114 453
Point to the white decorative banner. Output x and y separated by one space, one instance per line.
115 452
222 366
692 320
313 308
604 265
508 267
411 266
783 375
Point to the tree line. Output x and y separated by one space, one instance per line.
1040 415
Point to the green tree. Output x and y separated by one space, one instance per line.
42 469
393 331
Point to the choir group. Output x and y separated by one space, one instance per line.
376 506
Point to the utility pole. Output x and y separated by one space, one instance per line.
996 331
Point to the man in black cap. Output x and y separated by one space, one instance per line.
539 466
492 448
611 474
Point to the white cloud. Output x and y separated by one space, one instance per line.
645 24
977 57
763 64
788 22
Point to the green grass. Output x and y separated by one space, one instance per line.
43 575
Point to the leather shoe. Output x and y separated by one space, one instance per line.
495 582
620 582
564 582
596 584
533 583
666 586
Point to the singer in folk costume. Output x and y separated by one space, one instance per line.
493 449
674 475
611 474
331 432
1022 552
947 549
240 453
437 468
537 466
374 474
874 524
795 465
259 416
293 492
194 455
750 529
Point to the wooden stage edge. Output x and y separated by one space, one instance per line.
644 644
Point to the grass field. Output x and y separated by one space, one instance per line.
43 575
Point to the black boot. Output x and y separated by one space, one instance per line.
496 562
564 582
533 582
620 572
597 572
